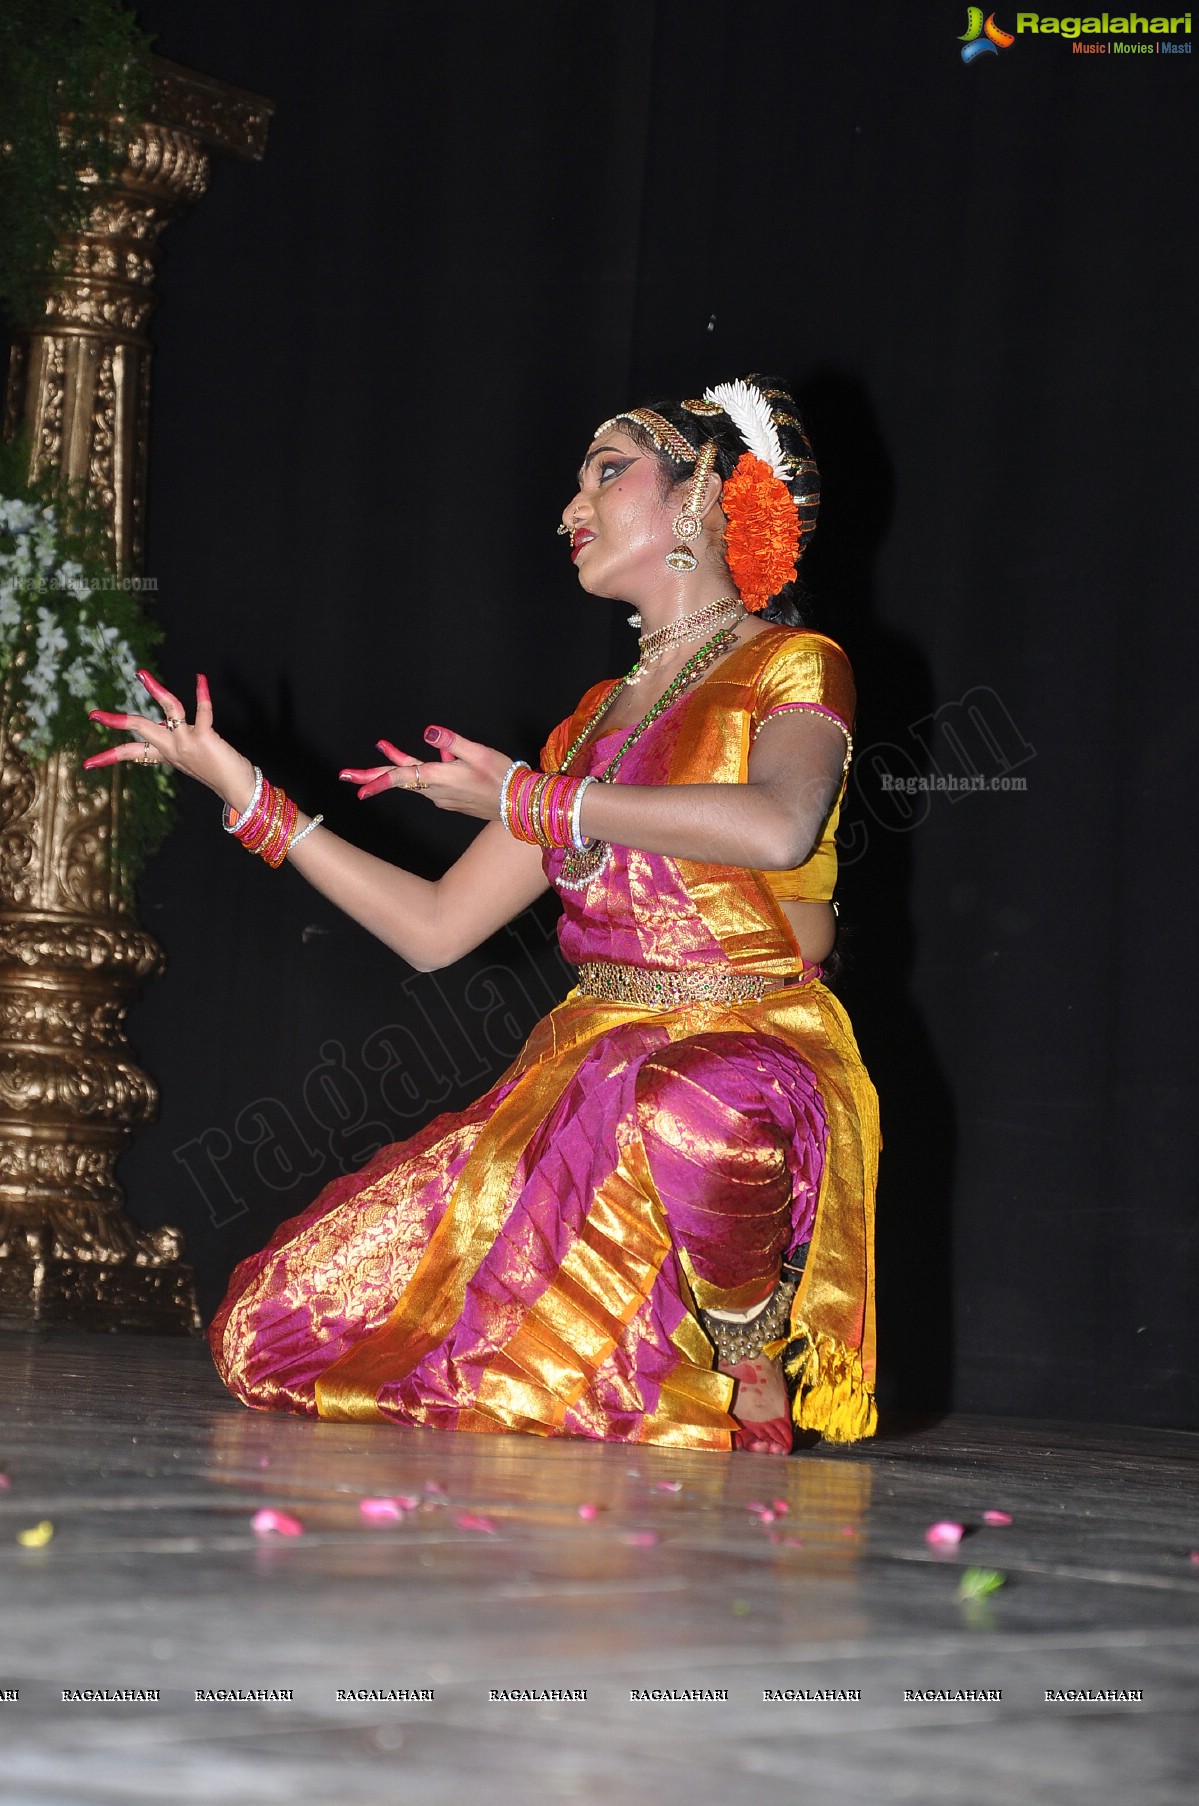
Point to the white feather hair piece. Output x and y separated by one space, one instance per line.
749 411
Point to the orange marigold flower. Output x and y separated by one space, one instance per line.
762 536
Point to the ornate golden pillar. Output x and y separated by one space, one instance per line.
71 956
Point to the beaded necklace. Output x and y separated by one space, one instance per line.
651 646
579 868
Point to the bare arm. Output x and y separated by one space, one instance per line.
770 823
429 922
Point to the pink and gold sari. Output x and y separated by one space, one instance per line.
537 1262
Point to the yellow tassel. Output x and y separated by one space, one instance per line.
828 1388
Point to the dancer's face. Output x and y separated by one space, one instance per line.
621 523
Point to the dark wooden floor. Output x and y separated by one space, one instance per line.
154 1577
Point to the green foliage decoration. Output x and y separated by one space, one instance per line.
75 81
73 636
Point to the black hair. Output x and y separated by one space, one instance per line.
788 607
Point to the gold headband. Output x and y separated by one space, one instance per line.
666 437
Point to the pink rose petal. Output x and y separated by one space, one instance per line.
765 1516
756 1505
781 1506
669 1485
640 1539
5 1482
1194 1556
587 1512
944 1535
275 1523
470 1520
997 1517
381 1511
407 1501
264 1461
849 1530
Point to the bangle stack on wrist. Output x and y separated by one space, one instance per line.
267 825
542 809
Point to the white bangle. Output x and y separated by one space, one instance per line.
505 787
303 834
230 820
576 837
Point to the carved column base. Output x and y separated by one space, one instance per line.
44 1285
71 1091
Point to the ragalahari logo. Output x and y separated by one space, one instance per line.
983 37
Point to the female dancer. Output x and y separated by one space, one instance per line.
657 1227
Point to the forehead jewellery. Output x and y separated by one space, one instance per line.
667 438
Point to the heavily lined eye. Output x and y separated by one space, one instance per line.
612 466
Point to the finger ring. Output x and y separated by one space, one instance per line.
418 784
174 721
145 758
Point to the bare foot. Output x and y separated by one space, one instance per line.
761 1406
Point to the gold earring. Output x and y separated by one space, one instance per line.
688 524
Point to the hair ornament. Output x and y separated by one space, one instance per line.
702 407
750 413
667 438
762 535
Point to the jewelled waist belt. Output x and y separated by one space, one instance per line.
667 990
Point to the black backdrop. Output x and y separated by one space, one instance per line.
480 228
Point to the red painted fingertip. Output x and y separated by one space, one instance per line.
433 735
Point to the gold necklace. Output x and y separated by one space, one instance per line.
580 866
651 647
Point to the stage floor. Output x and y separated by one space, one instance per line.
154 1578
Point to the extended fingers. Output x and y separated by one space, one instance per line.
394 754
203 702
352 775
376 786
373 780
170 704
129 724
135 751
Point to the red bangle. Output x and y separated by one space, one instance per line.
269 828
540 807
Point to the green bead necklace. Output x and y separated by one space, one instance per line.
580 868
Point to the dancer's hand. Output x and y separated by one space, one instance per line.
466 782
195 748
